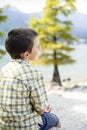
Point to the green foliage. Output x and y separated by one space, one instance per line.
2 19
2 52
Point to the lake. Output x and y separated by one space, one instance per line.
76 72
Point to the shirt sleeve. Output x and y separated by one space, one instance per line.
38 95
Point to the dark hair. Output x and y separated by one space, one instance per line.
20 40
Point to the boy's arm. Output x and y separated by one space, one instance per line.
40 112
38 96
47 109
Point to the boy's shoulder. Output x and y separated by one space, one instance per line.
30 68
34 71
21 69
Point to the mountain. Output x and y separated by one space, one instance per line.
17 18
79 21
80 28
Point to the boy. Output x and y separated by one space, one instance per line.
22 93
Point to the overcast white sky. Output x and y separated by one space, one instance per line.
29 6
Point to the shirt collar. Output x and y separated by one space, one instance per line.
21 60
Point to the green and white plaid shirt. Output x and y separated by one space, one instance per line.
22 93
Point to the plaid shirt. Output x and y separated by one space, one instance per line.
22 93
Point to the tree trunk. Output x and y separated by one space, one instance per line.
56 76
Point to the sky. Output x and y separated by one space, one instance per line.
30 6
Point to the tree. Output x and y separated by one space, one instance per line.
54 31
2 19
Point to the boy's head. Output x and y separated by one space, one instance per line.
22 43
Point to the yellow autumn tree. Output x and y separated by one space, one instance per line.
54 29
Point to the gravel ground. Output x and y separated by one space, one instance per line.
71 107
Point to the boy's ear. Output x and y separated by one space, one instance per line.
25 54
